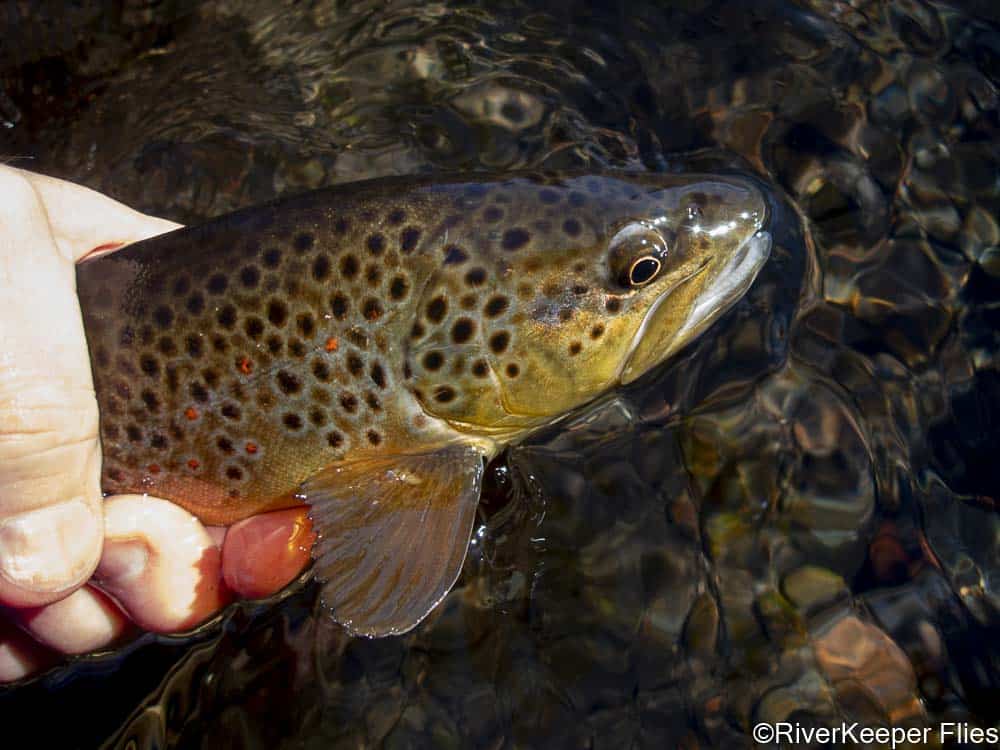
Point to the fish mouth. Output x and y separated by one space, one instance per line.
730 283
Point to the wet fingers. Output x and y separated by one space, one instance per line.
160 564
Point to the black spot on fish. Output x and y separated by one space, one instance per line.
225 445
288 383
577 199
338 306
254 327
321 371
250 277
513 370
274 344
182 286
134 433
378 375
149 365
398 288
372 309
226 316
355 365
198 392
321 268
515 239
234 472
376 244
334 439
195 304
372 400
231 411
575 348
480 369
217 284
272 257
349 267
454 255
462 330
499 342
408 239
340 226
571 227
305 324
444 394
292 421
437 308
613 305
277 312
150 400
496 306
597 331
167 346
492 214
349 402
211 377
163 316
475 276
433 361
373 274
548 197
158 441
396 217
374 438
304 242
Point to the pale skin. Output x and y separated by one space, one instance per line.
79 571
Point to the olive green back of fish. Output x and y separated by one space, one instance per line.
366 346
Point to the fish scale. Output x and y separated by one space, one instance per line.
386 337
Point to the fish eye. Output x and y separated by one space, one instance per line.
636 255
643 270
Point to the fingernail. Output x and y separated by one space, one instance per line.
49 549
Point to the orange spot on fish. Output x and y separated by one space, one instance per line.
194 463
246 366
332 344
251 448
191 413
154 469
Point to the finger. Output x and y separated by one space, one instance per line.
159 563
50 519
265 553
83 219
19 655
84 621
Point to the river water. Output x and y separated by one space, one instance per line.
793 520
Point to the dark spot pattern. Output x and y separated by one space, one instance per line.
437 308
515 239
304 242
496 306
499 342
408 239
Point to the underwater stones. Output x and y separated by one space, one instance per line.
871 675
811 587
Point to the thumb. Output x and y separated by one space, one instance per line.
51 526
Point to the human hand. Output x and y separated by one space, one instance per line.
76 568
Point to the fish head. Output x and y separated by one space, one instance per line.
611 275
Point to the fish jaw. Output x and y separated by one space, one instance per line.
657 339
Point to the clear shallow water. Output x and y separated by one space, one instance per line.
794 518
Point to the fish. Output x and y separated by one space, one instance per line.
367 348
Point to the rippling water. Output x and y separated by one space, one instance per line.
796 518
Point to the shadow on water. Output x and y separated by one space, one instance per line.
796 518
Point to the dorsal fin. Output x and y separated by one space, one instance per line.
393 531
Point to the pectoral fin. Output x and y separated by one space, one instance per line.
393 532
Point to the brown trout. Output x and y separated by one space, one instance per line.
367 347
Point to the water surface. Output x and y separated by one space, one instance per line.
794 519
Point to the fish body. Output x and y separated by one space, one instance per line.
365 347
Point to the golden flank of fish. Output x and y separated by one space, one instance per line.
367 347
